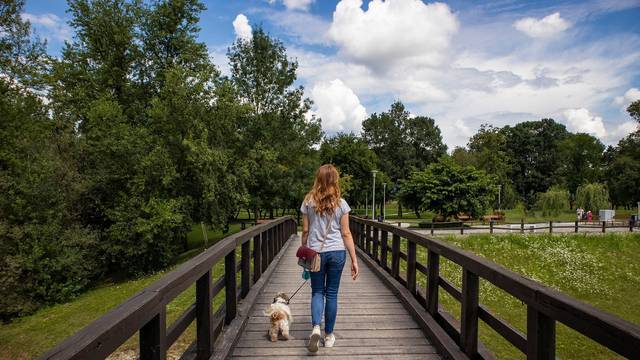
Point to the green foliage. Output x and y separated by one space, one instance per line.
351 155
623 171
403 144
553 201
532 148
634 110
277 138
448 189
581 160
592 197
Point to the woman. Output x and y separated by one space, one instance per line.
325 227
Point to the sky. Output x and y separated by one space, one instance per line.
462 63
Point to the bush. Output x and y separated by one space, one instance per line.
553 201
45 264
592 197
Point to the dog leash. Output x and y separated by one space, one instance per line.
300 287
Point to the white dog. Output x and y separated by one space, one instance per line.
280 316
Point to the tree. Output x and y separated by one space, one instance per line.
351 155
553 201
448 190
634 110
623 171
532 148
581 160
594 197
46 255
403 144
277 137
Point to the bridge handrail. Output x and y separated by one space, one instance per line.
545 306
146 310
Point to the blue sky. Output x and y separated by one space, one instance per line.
463 63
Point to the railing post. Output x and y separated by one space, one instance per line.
433 266
204 317
411 266
630 226
550 226
230 288
604 226
541 336
469 313
432 227
376 234
491 227
522 226
367 239
153 345
257 252
384 249
245 262
461 228
576 226
395 256
264 242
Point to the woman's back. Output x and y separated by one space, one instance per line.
325 226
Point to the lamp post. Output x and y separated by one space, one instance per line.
384 201
366 205
373 201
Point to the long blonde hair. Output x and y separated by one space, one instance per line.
325 194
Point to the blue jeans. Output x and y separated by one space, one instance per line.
324 287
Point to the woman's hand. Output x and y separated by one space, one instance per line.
354 270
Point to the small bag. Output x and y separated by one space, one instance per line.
309 258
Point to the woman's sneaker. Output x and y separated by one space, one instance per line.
314 339
329 340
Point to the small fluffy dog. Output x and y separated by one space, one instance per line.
280 316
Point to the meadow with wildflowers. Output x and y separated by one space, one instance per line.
601 270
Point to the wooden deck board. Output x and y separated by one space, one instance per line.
372 323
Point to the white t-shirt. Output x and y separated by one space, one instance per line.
318 226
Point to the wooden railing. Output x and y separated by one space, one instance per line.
522 227
545 306
146 311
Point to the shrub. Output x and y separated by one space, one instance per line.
592 197
553 201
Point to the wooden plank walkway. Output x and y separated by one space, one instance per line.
372 322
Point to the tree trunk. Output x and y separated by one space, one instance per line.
399 210
270 213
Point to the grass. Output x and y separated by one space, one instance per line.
512 215
30 336
601 270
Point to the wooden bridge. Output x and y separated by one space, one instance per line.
385 314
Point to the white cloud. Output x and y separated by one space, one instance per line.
297 4
242 28
49 26
338 106
630 96
541 28
392 31
581 120
622 130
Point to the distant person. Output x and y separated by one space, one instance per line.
580 213
589 216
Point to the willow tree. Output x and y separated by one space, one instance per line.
594 197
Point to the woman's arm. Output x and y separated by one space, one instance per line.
305 229
348 243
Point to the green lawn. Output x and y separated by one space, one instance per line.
602 270
30 336
512 215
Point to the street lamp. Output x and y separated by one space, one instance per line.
373 201
384 201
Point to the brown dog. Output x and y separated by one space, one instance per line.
280 317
